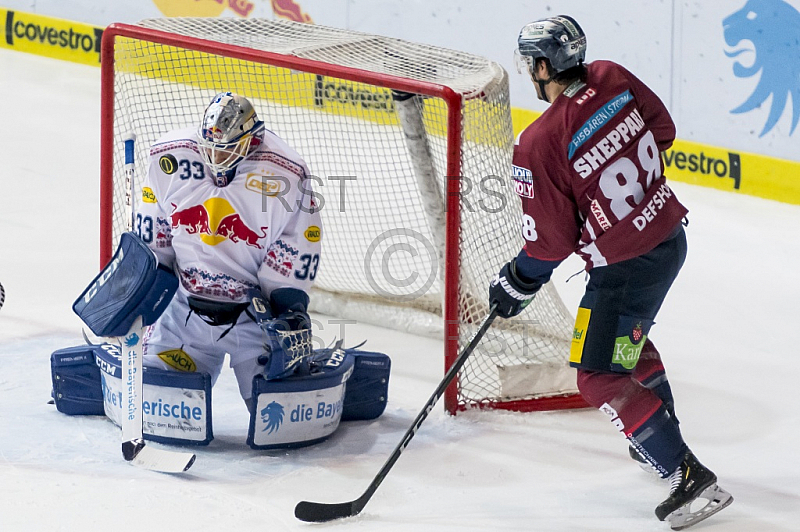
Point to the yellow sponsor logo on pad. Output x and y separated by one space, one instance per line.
178 359
579 335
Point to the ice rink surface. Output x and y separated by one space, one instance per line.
728 333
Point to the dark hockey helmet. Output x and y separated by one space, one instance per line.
228 129
559 39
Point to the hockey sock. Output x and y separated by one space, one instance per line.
650 372
659 441
639 414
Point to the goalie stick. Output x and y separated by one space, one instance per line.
134 449
319 512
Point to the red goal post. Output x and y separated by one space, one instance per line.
418 163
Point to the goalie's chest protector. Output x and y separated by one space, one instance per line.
220 234
222 229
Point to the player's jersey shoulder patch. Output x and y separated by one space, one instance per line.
168 163
266 183
148 196
313 233
521 171
523 181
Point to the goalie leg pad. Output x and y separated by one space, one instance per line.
77 386
300 410
368 386
176 405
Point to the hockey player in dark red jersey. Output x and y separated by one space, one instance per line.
590 177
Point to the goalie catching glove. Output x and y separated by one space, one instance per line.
510 292
286 327
303 394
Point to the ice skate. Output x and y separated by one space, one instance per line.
694 495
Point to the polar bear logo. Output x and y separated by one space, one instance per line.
773 29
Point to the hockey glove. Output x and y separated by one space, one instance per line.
510 292
287 332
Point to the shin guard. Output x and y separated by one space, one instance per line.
639 414
650 372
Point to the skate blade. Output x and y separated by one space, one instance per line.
717 499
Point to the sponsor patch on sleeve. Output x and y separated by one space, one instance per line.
523 181
313 234
168 164
148 196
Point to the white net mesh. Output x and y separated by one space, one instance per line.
383 237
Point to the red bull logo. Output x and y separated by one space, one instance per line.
289 9
213 133
215 221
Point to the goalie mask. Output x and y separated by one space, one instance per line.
228 130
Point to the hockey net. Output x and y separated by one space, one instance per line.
410 150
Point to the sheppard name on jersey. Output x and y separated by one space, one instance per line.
523 181
618 137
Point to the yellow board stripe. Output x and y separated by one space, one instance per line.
688 162
51 37
756 175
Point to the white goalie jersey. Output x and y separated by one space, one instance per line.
262 230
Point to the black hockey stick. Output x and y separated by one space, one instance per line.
319 512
